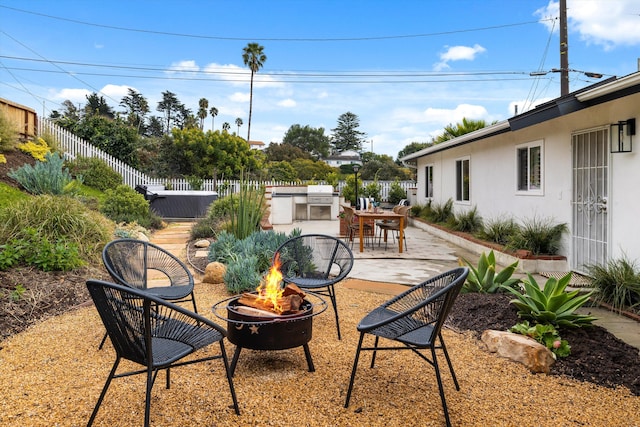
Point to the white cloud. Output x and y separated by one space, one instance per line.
458 53
73 95
287 103
116 92
183 66
605 23
239 97
450 116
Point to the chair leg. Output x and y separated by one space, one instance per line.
446 356
104 339
373 356
104 392
332 296
440 387
229 373
353 371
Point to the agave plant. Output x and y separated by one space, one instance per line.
552 305
484 278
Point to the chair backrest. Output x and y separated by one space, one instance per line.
141 264
315 256
348 214
404 210
125 312
427 303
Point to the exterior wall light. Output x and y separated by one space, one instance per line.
621 134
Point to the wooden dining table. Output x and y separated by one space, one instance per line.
380 214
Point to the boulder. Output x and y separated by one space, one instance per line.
204 243
214 273
519 348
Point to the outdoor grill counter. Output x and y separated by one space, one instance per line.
300 203
177 203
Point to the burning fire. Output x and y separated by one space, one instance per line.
270 289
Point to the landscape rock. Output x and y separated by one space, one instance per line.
214 273
519 348
204 243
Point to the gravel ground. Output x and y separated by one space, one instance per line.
53 372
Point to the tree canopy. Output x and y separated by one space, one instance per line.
308 139
346 135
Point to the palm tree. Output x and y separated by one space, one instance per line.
254 58
226 126
239 123
202 111
214 112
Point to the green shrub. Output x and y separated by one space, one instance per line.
552 304
498 230
60 220
38 251
124 204
467 222
259 247
538 235
95 173
9 133
546 335
195 182
440 212
484 278
248 212
242 275
396 193
616 283
48 177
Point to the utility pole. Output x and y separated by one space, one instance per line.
564 50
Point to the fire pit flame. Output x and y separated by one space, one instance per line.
270 288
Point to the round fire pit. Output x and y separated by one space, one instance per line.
270 332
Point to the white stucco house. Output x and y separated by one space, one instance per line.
347 157
575 160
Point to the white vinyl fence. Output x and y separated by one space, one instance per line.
73 146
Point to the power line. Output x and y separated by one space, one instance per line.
275 39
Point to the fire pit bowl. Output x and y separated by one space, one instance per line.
265 332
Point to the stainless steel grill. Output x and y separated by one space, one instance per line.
319 194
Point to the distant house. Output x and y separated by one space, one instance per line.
570 160
256 144
343 158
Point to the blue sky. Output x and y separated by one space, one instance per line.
406 68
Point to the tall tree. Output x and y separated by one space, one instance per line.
214 112
97 106
203 104
346 135
136 108
254 58
169 106
310 140
239 123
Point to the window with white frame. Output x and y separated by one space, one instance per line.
529 167
428 173
462 180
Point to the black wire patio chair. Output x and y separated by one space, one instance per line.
414 319
154 333
316 262
148 267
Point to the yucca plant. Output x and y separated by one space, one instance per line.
484 279
552 305
247 213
